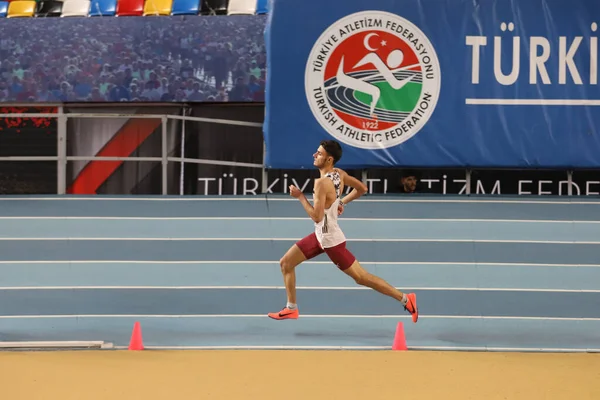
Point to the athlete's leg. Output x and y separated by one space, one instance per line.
346 262
304 249
365 278
288 263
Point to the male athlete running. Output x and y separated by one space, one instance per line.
328 237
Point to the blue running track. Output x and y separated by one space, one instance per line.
519 274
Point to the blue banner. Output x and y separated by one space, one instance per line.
436 83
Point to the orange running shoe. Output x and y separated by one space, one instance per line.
411 306
285 313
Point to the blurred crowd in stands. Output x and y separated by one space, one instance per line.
133 59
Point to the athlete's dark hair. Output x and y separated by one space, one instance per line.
332 148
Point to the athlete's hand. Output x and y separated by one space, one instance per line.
340 209
295 192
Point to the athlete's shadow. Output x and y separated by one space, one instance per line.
379 334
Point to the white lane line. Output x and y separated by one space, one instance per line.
273 262
304 316
342 347
375 220
255 239
55 344
222 199
205 287
258 347
509 349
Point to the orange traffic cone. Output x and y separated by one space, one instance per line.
399 338
136 342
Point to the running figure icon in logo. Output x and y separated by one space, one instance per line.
394 60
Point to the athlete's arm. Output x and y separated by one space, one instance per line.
316 211
359 187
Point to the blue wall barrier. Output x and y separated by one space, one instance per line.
437 83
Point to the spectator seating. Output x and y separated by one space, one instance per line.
130 8
103 8
247 7
214 7
21 8
75 8
49 8
122 8
119 58
185 7
262 7
3 9
158 7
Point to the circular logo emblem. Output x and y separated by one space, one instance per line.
372 80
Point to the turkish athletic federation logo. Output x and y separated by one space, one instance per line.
372 80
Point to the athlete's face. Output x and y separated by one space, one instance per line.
321 158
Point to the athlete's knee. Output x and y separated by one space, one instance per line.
360 276
362 279
286 264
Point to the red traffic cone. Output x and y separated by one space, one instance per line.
399 338
136 342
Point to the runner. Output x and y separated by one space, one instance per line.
328 237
